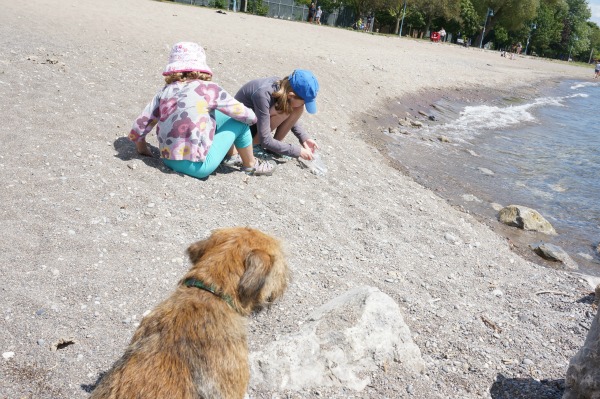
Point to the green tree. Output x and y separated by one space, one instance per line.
257 7
513 15
576 31
545 39
362 7
468 19
432 9
594 41
394 8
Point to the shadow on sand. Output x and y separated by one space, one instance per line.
526 388
126 152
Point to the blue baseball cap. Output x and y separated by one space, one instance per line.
305 85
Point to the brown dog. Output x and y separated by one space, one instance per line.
193 345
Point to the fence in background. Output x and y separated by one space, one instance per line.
283 9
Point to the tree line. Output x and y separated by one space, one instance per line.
547 28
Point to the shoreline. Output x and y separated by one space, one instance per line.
416 106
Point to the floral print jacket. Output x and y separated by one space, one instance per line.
184 113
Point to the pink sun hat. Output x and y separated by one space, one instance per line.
187 57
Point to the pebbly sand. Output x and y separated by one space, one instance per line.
94 235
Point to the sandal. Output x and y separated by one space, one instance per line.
234 160
260 168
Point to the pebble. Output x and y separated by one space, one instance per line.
497 293
41 342
410 389
528 362
8 355
450 237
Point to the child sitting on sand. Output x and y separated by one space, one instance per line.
198 121
279 104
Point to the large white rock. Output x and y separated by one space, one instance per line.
583 374
339 345
525 218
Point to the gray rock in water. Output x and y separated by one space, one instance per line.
525 218
340 345
553 253
583 375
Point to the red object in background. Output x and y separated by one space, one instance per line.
435 36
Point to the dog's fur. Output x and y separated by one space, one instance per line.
193 345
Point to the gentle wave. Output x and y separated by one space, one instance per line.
474 120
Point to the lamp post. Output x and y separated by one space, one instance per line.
533 27
490 13
402 23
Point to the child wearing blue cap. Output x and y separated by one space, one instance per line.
278 105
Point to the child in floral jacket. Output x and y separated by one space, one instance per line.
196 120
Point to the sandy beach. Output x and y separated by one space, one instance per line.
94 235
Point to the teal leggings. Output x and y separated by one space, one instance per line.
229 131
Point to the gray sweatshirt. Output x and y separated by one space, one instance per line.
256 95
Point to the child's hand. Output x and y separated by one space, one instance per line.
142 148
311 145
306 153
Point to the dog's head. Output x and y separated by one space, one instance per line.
244 263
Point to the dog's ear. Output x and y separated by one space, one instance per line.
258 265
196 250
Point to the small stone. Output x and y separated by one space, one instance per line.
41 342
410 389
450 237
486 171
528 362
151 205
8 355
497 293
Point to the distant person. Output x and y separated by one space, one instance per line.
311 12
442 33
359 24
318 15
597 70
196 120
279 104
369 25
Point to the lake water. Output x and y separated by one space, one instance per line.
541 152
